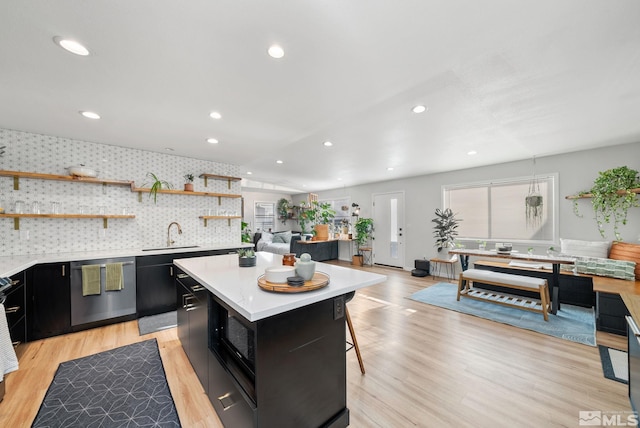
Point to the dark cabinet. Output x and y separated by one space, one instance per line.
193 324
48 301
610 313
156 292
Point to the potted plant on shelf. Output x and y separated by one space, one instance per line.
188 183
364 231
246 257
613 193
156 185
445 230
283 210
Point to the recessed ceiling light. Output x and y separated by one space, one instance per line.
212 141
215 115
472 152
249 172
279 161
327 144
419 109
90 115
390 168
71 46
275 51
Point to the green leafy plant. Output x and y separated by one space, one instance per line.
445 228
364 231
612 196
245 232
246 252
156 184
283 210
315 213
188 178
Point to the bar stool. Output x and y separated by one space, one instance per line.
354 345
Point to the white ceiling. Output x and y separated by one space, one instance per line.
509 79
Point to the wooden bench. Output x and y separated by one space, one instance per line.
517 282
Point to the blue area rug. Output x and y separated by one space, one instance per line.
570 323
123 387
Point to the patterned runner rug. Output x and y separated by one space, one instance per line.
123 387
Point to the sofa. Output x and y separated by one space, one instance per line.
276 243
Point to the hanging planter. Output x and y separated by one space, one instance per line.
534 202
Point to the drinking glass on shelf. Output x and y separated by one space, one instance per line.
35 207
84 209
55 207
18 207
102 210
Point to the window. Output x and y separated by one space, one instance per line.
264 216
496 210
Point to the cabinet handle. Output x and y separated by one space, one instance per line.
197 288
186 298
12 310
170 270
64 270
182 275
16 344
15 282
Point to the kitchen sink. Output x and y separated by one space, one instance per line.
170 248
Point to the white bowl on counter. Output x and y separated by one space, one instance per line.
279 274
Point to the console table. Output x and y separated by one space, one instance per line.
555 262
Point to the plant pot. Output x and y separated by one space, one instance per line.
188 187
246 261
356 260
322 232
533 201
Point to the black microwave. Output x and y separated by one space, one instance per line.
233 341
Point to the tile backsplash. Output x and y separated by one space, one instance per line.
51 155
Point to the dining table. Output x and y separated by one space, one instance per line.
555 260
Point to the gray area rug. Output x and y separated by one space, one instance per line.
614 364
123 387
158 322
570 323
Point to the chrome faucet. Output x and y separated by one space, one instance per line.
169 241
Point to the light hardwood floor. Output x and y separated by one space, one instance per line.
426 367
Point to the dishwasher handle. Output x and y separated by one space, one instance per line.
632 324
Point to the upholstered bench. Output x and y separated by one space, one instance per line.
518 282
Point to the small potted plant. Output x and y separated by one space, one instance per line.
156 185
246 257
188 183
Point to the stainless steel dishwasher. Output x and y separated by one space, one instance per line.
107 304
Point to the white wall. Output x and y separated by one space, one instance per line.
47 154
576 171
251 197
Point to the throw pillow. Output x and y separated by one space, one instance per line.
266 237
575 247
278 238
620 269
626 251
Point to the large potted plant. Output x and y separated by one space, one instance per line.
364 231
320 214
445 230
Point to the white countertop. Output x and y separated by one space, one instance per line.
10 265
238 287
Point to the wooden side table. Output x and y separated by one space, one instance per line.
449 267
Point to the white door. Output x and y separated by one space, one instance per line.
388 223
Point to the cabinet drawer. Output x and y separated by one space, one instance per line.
231 405
14 305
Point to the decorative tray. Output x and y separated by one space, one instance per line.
319 280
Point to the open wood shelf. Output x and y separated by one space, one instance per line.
142 190
590 195
36 175
219 177
16 217
219 217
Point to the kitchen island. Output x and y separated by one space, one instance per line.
267 359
